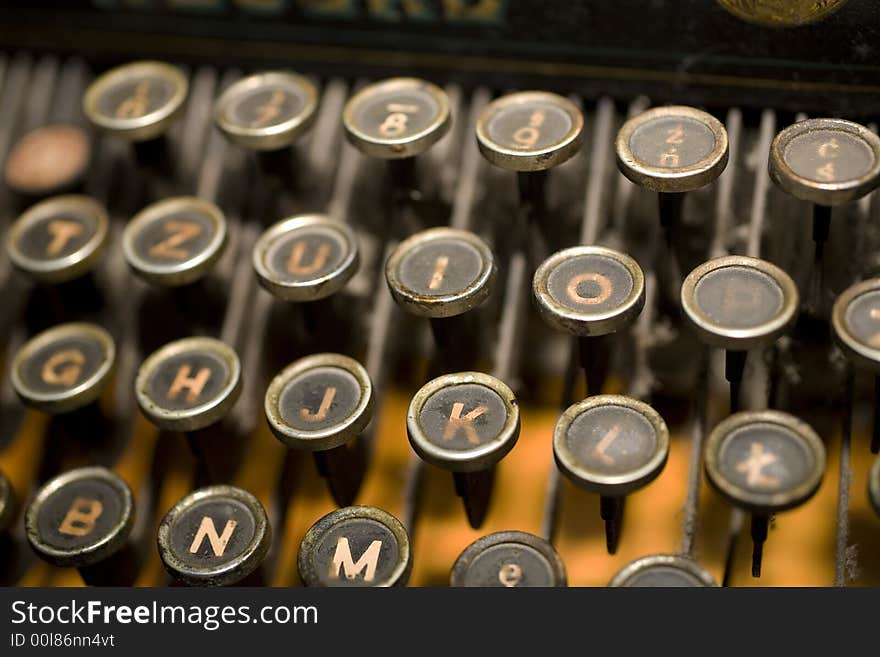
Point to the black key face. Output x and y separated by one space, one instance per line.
663 576
81 514
663 570
829 156
212 532
266 106
441 267
136 95
764 459
319 399
510 565
48 159
176 239
189 379
355 552
612 440
739 297
533 126
397 113
306 254
590 284
862 317
463 417
672 142
58 235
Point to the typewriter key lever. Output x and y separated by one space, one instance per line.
215 536
590 292
739 303
321 404
83 518
855 319
764 462
508 559
611 445
355 546
465 423
663 570
827 162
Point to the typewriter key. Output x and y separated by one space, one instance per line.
8 503
590 292
175 241
137 101
59 239
83 519
874 486
611 445
764 462
856 322
442 273
64 368
267 111
48 160
189 385
355 546
530 132
215 536
509 559
663 570
739 303
466 423
322 403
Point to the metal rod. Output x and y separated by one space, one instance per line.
845 481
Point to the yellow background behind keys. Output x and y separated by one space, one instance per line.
799 552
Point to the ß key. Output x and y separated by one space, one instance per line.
322 403
83 518
855 319
611 445
590 292
48 160
59 239
443 274
355 546
739 303
509 559
663 570
827 162
466 423
764 462
176 241
215 536
190 385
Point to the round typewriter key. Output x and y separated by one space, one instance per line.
137 101
874 486
764 462
466 423
59 239
215 536
442 273
267 111
611 445
322 403
8 503
48 160
64 368
82 518
188 384
739 303
175 241
590 292
396 118
306 257
509 559
663 570
355 546
827 162
855 319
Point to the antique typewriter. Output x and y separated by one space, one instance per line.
440 292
